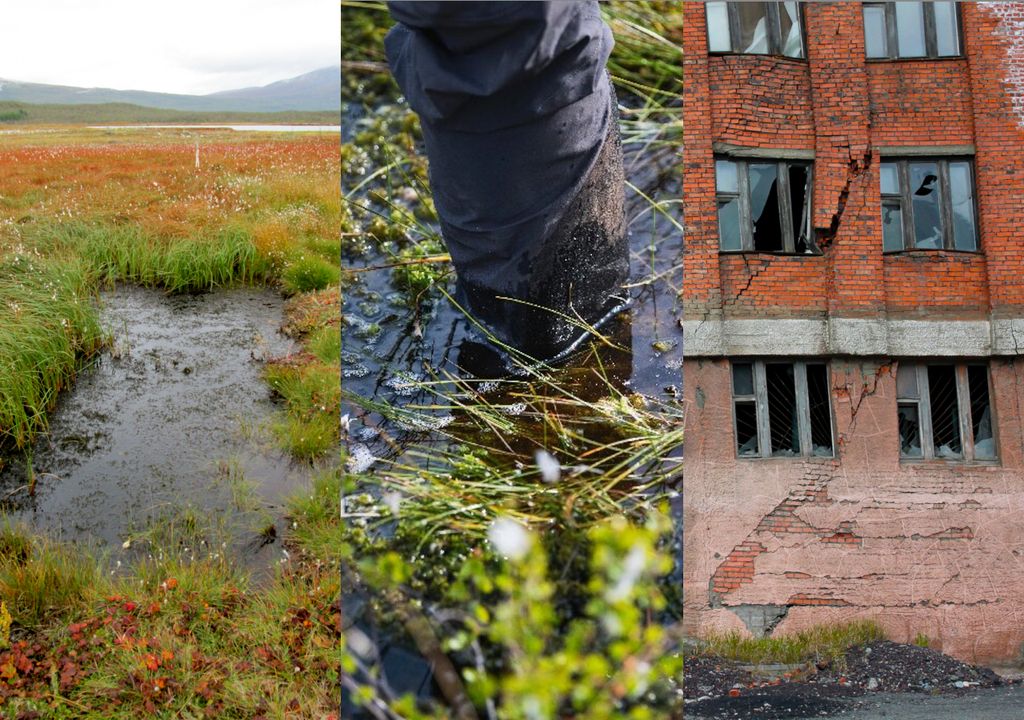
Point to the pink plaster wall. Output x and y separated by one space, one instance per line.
924 547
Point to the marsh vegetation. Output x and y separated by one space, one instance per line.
170 617
516 534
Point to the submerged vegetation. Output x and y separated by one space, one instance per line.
181 627
513 534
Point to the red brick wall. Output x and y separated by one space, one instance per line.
844 108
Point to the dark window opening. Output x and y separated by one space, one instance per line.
764 206
907 29
928 205
944 412
761 28
782 409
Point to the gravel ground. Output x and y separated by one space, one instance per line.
879 680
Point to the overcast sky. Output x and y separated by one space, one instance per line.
179 46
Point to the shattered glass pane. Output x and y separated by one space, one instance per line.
906 382
764 206
981 412
945 412
753 22
783 420
961 197
718 27
746 429
892 227
927 203
726 176
729 224
742 379
819 405
910 430
789 24
910 29
876 44
947 39
799 188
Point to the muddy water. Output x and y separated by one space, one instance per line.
174 418
388 347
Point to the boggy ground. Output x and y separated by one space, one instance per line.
576 617
179 628
876 679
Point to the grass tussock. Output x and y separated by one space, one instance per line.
49 328
823 644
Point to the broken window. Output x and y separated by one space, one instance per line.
763 28
781 409
911 29
764 205
928 204
944 412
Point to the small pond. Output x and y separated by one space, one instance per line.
171 421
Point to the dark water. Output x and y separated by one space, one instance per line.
172 421
390 349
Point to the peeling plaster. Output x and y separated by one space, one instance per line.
1011 28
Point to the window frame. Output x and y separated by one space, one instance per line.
790 235
774 27
760 400
965 417
930 33
906 203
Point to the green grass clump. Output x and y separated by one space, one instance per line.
40 579
312 393
49 328
827 643
125 253
310 273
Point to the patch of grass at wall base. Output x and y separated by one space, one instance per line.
820 644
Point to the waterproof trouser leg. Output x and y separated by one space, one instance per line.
520 126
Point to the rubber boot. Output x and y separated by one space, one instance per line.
574 282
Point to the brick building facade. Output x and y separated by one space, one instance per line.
854 319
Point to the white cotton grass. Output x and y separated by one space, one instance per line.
510 538
550 468
632 569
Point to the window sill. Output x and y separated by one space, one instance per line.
730 53
949 462
771 253
784 458
929 251
939 58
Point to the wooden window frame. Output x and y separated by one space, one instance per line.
760 400
904 199
789 233
964 413
774 26
930 37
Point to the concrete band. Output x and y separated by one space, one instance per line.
1002 337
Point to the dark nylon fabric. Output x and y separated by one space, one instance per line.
515 104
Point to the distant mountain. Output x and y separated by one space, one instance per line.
316 90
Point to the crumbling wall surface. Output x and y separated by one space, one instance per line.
993 39
927 547
1008 18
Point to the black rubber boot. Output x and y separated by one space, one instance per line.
574 282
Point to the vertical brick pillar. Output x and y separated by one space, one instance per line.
991 33
702 295
845 167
